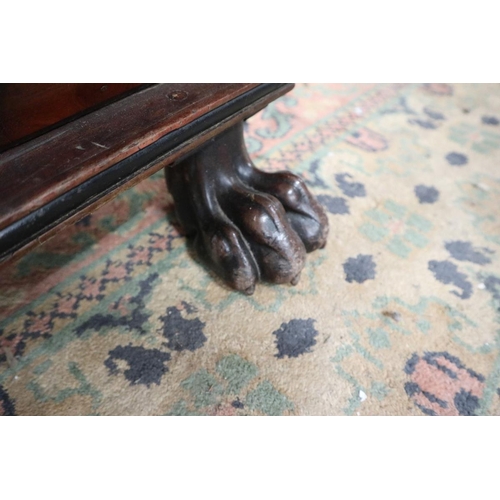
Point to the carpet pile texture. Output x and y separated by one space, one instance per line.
398 315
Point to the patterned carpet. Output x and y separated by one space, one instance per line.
398 315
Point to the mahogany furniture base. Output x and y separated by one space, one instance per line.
66 149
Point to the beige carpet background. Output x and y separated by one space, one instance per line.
398 315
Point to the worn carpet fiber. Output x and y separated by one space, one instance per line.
398 315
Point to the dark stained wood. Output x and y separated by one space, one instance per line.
43 169
247 225
30 109
173 156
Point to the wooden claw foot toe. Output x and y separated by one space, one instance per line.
248 225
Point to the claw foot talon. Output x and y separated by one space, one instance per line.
248 225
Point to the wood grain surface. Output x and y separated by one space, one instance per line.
39 171
30 109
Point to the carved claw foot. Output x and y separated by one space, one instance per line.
247 224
